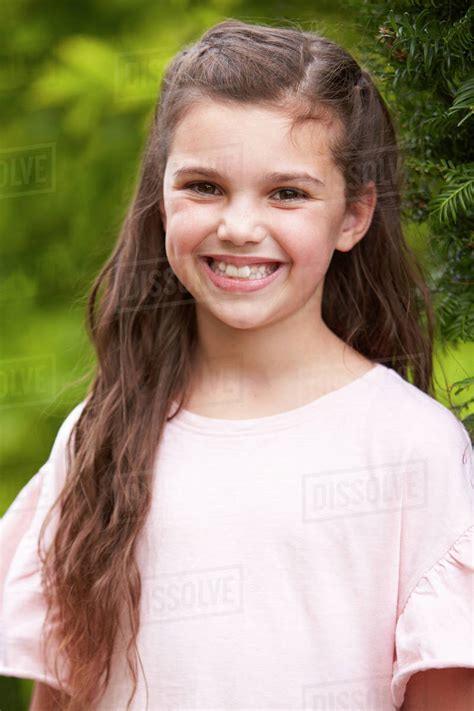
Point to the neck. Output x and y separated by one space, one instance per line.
272 354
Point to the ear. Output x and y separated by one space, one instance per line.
162 212
357 219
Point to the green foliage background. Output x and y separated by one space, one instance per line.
78 83
422 53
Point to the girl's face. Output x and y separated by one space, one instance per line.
220 198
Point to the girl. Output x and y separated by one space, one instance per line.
253 508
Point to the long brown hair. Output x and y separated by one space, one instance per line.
142 323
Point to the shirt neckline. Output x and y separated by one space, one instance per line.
203 424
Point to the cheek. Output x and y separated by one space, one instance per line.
314 265
312 246
184 233
187 226
178 251
179 242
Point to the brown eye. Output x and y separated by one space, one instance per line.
299 194
193 186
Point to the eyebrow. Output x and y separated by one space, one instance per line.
270 177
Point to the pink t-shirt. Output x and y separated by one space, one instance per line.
312 559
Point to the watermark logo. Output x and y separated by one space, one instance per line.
360 492
149 284
26 381
193 593
28 170
137 74
365 694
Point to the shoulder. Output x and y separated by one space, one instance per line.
417 417
55 470
60 443
37 495
438 499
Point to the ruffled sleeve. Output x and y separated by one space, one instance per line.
22 604
434 621
435 629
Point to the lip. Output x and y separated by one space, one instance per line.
239 285
241 261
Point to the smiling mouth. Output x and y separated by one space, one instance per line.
249 272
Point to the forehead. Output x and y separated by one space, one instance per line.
223 134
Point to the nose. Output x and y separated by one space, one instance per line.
239 225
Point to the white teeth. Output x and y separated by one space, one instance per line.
247 272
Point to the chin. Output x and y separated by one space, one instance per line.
244 323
